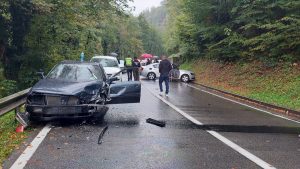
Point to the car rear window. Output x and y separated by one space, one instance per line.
155 65
106 62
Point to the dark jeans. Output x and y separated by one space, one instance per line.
129 74
164 78
136 74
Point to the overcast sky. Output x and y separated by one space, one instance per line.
141 5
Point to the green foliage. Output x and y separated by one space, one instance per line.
152 42
157 16
247 30
37 34
7 87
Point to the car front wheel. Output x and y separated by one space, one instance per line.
151 76
185 78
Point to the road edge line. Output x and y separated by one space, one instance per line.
21 162
243 104
218 136
241 150
177 109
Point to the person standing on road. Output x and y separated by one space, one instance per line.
128 65
148 62
164 69
136 69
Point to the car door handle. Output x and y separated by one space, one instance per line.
150 68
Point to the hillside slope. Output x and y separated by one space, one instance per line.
279 86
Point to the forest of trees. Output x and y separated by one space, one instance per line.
37 34
157 17
234 30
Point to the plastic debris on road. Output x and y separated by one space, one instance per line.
156 122
20 129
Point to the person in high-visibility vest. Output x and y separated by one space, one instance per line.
128 65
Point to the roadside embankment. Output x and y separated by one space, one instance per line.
278 85
9 139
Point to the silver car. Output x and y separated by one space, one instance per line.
152 72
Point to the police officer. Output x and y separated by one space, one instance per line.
128 65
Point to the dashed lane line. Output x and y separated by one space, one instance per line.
21 162
223 139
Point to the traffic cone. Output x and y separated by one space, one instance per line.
20 129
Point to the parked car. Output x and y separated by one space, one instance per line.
152 72
78 90
109 63
122 64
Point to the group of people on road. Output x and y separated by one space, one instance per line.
133 67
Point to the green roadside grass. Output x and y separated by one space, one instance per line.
9 139
279 85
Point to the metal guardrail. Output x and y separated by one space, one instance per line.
13 102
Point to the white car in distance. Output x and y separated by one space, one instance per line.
110 64
152 72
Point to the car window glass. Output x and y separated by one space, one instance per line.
98 72
85 74
155 65
76 73
106 62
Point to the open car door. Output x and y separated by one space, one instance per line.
125 92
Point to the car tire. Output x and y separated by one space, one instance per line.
185 78
151 76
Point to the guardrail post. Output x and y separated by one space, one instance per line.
17 110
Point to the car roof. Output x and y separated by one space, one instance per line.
105 57
78 62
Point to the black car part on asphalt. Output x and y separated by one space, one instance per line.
156 122
102 134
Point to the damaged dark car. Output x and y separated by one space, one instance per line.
75 90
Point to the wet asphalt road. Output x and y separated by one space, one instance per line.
130 142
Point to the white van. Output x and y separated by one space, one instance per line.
109 63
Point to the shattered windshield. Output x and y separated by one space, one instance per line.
105 62
75 73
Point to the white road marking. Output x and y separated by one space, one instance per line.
223 139
276 115
242 151
31 148
178 110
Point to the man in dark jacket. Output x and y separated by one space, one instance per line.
164 69
136 69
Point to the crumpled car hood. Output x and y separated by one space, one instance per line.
53 86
